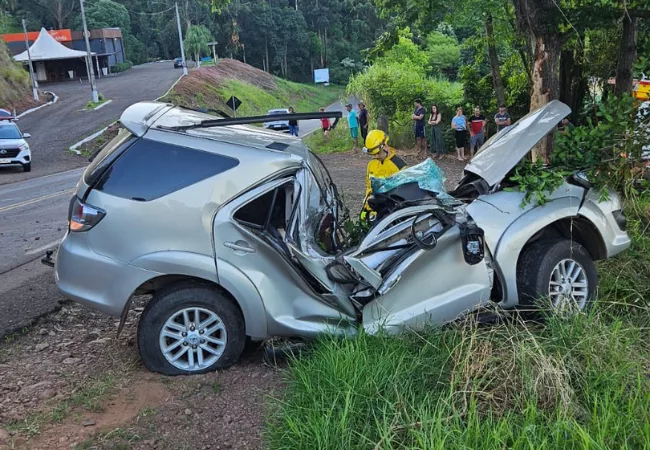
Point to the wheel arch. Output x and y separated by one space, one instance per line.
575 228
253 312
563 222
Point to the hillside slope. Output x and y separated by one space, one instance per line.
211 87
15 92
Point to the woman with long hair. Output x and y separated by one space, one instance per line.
436 143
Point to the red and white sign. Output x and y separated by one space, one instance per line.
59 35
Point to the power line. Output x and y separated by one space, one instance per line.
151 13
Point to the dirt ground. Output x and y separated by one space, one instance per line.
66 382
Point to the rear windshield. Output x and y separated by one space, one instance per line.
9 132
275 112
108 154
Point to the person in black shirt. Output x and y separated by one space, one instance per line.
418 125
293 124
363 120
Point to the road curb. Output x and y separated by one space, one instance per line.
102 105
55 98
73 147
170 89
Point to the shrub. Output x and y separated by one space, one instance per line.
121 67
390 89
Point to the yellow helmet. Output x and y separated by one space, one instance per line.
374 140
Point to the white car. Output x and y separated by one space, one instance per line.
277 124
14 149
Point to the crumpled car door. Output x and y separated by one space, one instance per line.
308 234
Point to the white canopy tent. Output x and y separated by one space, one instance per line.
46 48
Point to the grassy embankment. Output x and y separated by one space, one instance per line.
15 91
211 87
571 383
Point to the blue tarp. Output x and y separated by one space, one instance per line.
427 174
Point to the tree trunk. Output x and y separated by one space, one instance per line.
540 21
573 85
626 58
494 61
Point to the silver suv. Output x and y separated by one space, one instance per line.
237 232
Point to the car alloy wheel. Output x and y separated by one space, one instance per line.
193 339
569 285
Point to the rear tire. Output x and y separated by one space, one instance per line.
27 167
557 270
194 323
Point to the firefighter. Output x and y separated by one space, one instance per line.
384 164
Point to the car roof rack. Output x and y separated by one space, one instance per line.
209 123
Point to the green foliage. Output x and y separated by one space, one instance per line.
573 383
444 54
390 86
607 149
196 41
106 14
121 67
339 139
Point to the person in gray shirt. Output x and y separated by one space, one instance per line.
502 118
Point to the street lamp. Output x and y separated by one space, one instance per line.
89 60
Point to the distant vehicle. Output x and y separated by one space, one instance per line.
178 62
277 124
14 150
6 115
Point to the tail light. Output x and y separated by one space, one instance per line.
82 216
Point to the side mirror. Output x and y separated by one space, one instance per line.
27 135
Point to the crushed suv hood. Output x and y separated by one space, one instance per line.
503 151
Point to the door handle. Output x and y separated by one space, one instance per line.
239 247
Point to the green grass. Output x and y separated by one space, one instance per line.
339 139
92 105
303 98
578 382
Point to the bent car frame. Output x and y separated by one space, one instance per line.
236 232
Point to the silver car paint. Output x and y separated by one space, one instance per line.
504 150
435 287
192 232
292 307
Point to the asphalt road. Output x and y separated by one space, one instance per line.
56 127
33 219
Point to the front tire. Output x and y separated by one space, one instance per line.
560 271
27 167
190 329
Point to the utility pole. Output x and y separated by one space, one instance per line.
180 37
89 59
31 69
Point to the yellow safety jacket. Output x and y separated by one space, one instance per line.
376 168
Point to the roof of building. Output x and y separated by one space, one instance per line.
46 48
